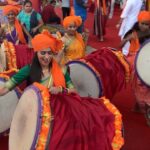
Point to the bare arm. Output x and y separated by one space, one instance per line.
41 23
126 39
3 91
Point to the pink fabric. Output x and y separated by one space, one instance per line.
24 55
112 73
80 124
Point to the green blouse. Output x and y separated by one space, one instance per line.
23 74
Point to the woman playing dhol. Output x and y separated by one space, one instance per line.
79 123
137 36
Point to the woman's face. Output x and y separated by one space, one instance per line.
71 29
45 57
11 17
27 7
144 26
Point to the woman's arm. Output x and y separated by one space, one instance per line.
40 23
16 79
69 84
126 39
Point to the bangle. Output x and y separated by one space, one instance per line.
61 89
64 90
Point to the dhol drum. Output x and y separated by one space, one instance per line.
8 105
142 63
14 56
103 72
31 121
33 127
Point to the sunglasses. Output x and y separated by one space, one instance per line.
46 52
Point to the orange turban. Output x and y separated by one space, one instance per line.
144 16
72 19
9 8
46 40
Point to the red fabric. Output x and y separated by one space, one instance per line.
110 69
24 55
48 12
4 142
80 124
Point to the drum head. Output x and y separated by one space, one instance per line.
85 79
26 121
143 63
8 105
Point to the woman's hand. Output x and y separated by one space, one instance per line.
34 30
3 91
55 90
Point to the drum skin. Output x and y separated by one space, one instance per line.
8 105
142 63
109 70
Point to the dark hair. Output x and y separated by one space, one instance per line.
26 2
36 70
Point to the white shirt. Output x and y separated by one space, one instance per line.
66 3
129 15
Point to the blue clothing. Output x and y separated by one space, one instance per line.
80 10
26 19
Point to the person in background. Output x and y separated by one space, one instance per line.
128 18
137 36
73 41
13 30
65 8
80 7
112 6
49 15
30 19
100 18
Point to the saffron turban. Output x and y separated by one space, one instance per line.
144 16
72 19
9 8
45 40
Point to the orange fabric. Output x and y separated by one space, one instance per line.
57 75
9 8
12 2
144 16
134 44
75 49
20 32
72 19
46 40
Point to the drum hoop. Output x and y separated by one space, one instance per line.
39 119
85 64
136 59
18 93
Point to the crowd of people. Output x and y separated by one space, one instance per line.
88 122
